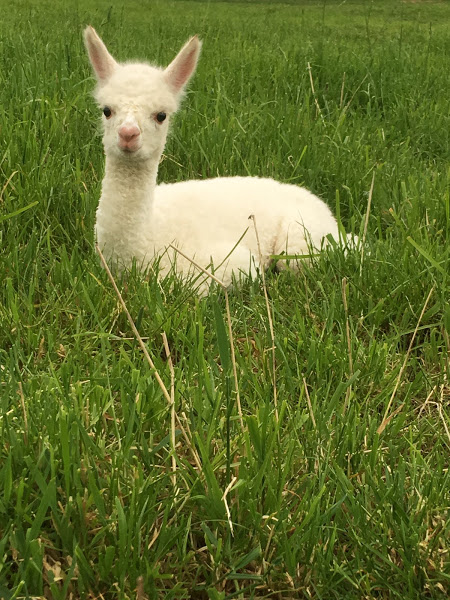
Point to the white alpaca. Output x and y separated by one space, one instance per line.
137 219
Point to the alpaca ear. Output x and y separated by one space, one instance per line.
101 60
180 70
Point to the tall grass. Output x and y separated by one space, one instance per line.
341 490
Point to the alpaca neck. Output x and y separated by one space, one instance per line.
124 215
129 186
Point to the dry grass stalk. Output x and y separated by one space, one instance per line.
149 360
308 399
133 327
349 342
441 414
427 400
224 498
6 185
269 315
172 408
25 418
140 594
347 106
319 112
366 223
341 101
230 329
386 420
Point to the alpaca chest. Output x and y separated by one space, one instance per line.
123 236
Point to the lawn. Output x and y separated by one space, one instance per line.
311 462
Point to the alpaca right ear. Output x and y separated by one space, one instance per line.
101 60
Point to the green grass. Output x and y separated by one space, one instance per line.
321 504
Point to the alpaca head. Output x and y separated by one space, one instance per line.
137 99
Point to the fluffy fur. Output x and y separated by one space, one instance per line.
138 219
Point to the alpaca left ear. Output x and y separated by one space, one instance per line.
180 70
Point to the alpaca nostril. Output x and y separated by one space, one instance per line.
128 134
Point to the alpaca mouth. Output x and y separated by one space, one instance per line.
128 149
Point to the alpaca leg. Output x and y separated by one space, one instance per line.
302 250
241 262
232 266
295 246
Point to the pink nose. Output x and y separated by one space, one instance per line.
129 134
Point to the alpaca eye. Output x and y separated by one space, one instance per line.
160 117
107 112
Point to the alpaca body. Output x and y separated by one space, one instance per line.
214 228
207 220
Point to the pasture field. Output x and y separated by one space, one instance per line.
326 476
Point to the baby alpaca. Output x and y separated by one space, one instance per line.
207 220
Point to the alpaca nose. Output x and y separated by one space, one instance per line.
129 134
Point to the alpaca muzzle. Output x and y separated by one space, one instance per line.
129 138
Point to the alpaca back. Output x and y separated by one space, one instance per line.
208 218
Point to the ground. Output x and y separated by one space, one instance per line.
311 462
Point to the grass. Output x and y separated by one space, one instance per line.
342 491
